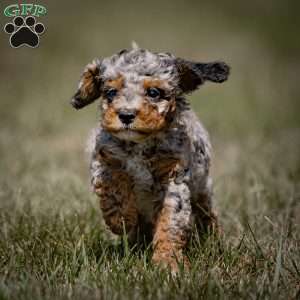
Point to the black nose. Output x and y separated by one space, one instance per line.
126 117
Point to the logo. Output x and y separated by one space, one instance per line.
24 30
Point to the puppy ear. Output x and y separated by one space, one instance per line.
89 88
193 74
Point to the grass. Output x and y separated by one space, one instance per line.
53 244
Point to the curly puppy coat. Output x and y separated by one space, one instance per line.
151 155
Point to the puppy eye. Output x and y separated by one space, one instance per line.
153 92
110 94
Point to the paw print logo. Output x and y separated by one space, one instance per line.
24 32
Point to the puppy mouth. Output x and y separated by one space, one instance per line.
130 134
132 128
127 127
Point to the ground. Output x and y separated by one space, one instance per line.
53 244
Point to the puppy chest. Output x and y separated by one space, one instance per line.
144 185
150 177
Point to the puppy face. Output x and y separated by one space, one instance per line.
140 90
135 108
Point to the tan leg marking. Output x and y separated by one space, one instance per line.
172 222
117 202
168 247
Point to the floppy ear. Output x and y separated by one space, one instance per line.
193 74
89 88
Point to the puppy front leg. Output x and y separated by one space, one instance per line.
172 227
117 200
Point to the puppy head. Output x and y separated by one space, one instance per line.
140 89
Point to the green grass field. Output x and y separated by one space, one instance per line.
53 244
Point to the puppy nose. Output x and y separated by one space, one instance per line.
126 117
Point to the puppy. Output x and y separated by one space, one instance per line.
151 156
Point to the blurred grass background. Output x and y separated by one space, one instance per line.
253 120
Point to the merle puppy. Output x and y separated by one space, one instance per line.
151 155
